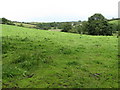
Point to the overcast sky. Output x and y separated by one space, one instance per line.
56 10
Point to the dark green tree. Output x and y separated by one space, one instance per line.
98 25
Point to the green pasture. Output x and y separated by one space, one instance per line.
33 58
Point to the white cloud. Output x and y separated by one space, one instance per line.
57 10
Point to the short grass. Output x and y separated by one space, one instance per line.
45 59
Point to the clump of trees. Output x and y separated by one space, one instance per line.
6 21
75 27
66 27
98 25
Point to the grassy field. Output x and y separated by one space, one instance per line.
25 25
114 22
45 59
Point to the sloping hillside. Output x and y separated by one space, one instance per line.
45 59
114 22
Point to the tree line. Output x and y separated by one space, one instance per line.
97 24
